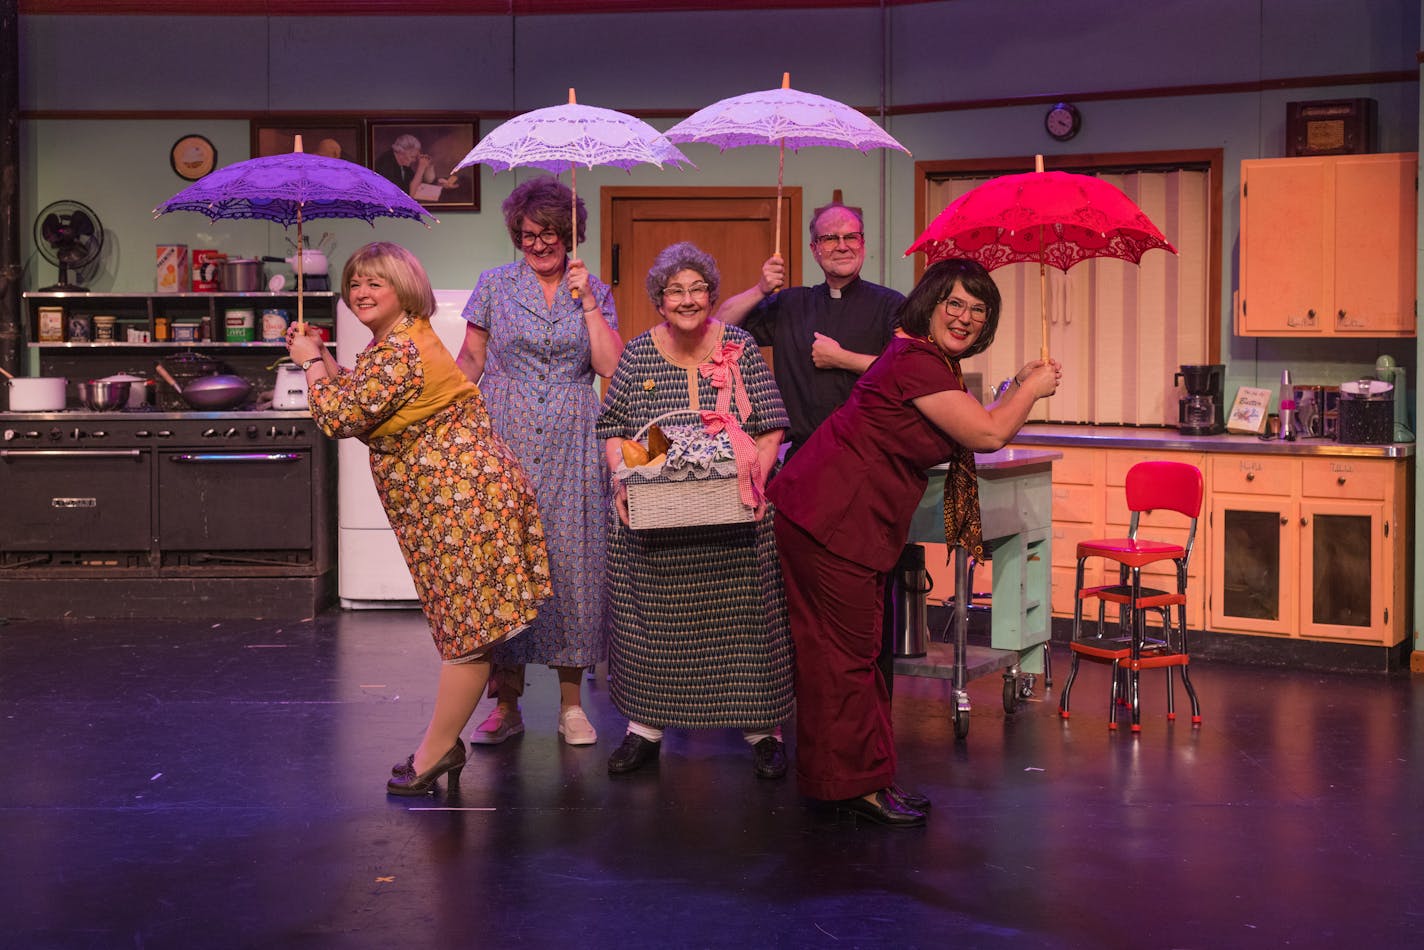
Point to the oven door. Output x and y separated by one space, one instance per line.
235 500
75 500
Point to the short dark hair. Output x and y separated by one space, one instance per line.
936 284
547 202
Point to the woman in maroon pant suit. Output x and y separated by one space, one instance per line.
844 504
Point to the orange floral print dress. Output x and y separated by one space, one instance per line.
462 509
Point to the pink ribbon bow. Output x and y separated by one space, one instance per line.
723 370
744 450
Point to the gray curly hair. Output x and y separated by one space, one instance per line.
679 257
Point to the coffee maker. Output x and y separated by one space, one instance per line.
1199 408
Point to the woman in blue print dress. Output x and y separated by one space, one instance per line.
539 330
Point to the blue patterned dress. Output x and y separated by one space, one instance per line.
701 636
538 385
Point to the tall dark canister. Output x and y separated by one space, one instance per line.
909 583
1366 412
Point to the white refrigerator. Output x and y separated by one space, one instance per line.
370 570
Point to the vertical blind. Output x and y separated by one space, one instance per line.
1120 330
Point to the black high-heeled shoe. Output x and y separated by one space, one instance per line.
406 782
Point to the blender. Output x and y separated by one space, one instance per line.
1199 408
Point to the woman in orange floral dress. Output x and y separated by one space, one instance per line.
463 511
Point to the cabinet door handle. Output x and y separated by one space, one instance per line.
1340 480
1250 476
1302 522
1284 520
1342 316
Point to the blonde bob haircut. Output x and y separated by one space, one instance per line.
398 267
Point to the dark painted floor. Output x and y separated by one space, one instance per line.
222 785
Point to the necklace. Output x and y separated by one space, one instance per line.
952 364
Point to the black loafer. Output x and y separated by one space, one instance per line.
884 810
770 758
633 754
909 799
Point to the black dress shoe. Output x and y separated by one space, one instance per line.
770 758
909 799
633 754
405 781
884 810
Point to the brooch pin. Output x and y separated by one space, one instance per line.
649 385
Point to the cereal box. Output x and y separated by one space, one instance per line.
172 276
207 266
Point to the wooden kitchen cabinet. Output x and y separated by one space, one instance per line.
1308 547
1089 501
1328 246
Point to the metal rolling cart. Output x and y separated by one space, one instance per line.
1016 506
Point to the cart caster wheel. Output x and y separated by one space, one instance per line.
1011 694
961 723
1026 686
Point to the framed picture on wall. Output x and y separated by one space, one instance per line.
420 154
332 136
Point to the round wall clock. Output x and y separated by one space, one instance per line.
1063 121
192 157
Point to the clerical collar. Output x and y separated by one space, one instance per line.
835 293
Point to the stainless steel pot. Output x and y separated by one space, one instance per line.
104 395
223 391
242 276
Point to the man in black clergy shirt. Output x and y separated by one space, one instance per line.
824 336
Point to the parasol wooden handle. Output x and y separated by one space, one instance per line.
1042 279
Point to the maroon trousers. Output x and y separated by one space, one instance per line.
845 747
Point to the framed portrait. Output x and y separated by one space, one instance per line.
420 155
332 136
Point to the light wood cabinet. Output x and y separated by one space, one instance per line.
1287 546
1310 548
1090 501
1328 246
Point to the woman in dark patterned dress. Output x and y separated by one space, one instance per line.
463 512
700 635
540 329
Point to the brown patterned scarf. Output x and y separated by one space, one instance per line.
961 496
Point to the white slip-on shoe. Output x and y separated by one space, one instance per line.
497 727
575 727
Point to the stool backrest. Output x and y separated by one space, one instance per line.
1175 486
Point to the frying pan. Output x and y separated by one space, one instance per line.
210 392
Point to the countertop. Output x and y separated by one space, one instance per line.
1129 437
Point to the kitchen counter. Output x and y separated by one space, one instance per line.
1128 437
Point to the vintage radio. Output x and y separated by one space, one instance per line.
1330 127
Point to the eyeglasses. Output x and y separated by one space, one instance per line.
957 308
675 293
827 241
546 236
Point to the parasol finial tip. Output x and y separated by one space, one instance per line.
1038 163
572 100
785 80
297 142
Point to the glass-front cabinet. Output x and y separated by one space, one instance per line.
1306 547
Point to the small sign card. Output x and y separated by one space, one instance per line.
1249 411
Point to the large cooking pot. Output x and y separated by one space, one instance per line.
223 391
138 388
37 393
242 276
1366 412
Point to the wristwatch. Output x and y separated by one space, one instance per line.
308 364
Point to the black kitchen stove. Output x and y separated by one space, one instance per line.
165 514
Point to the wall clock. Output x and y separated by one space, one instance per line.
192 157
1063 121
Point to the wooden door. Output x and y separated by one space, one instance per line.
735 225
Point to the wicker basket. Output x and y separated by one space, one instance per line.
661 502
